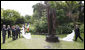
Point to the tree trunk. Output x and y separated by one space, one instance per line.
51 16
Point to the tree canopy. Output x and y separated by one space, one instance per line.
67 14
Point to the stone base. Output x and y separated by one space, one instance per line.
52 39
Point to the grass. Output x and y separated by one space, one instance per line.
38 42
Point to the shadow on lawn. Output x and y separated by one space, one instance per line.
79 41
9 41
51 45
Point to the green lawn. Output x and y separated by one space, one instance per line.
38 42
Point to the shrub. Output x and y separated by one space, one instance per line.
64 29
82 28
39 26
32 29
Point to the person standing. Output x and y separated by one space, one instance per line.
4 33
16 31
77 33
13 33
9 31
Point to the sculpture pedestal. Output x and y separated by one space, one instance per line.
51 38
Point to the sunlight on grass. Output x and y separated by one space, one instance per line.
38 42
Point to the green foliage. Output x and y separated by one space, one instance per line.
82 28
20 20
28 18
39 26
11 17
1 13
66 12
52 4
64 29
32 28
38 10
62 9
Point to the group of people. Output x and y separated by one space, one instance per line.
13 31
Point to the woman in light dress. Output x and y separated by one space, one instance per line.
24 34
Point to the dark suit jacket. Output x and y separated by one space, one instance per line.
77 31
13 32
4 31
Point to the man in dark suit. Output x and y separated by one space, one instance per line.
16 32
18 28
77 33
4 33
13 33
9 31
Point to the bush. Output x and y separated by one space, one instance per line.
64 29
32 29
39 26
82 28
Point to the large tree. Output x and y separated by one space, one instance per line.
9 16
38 10
73 10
